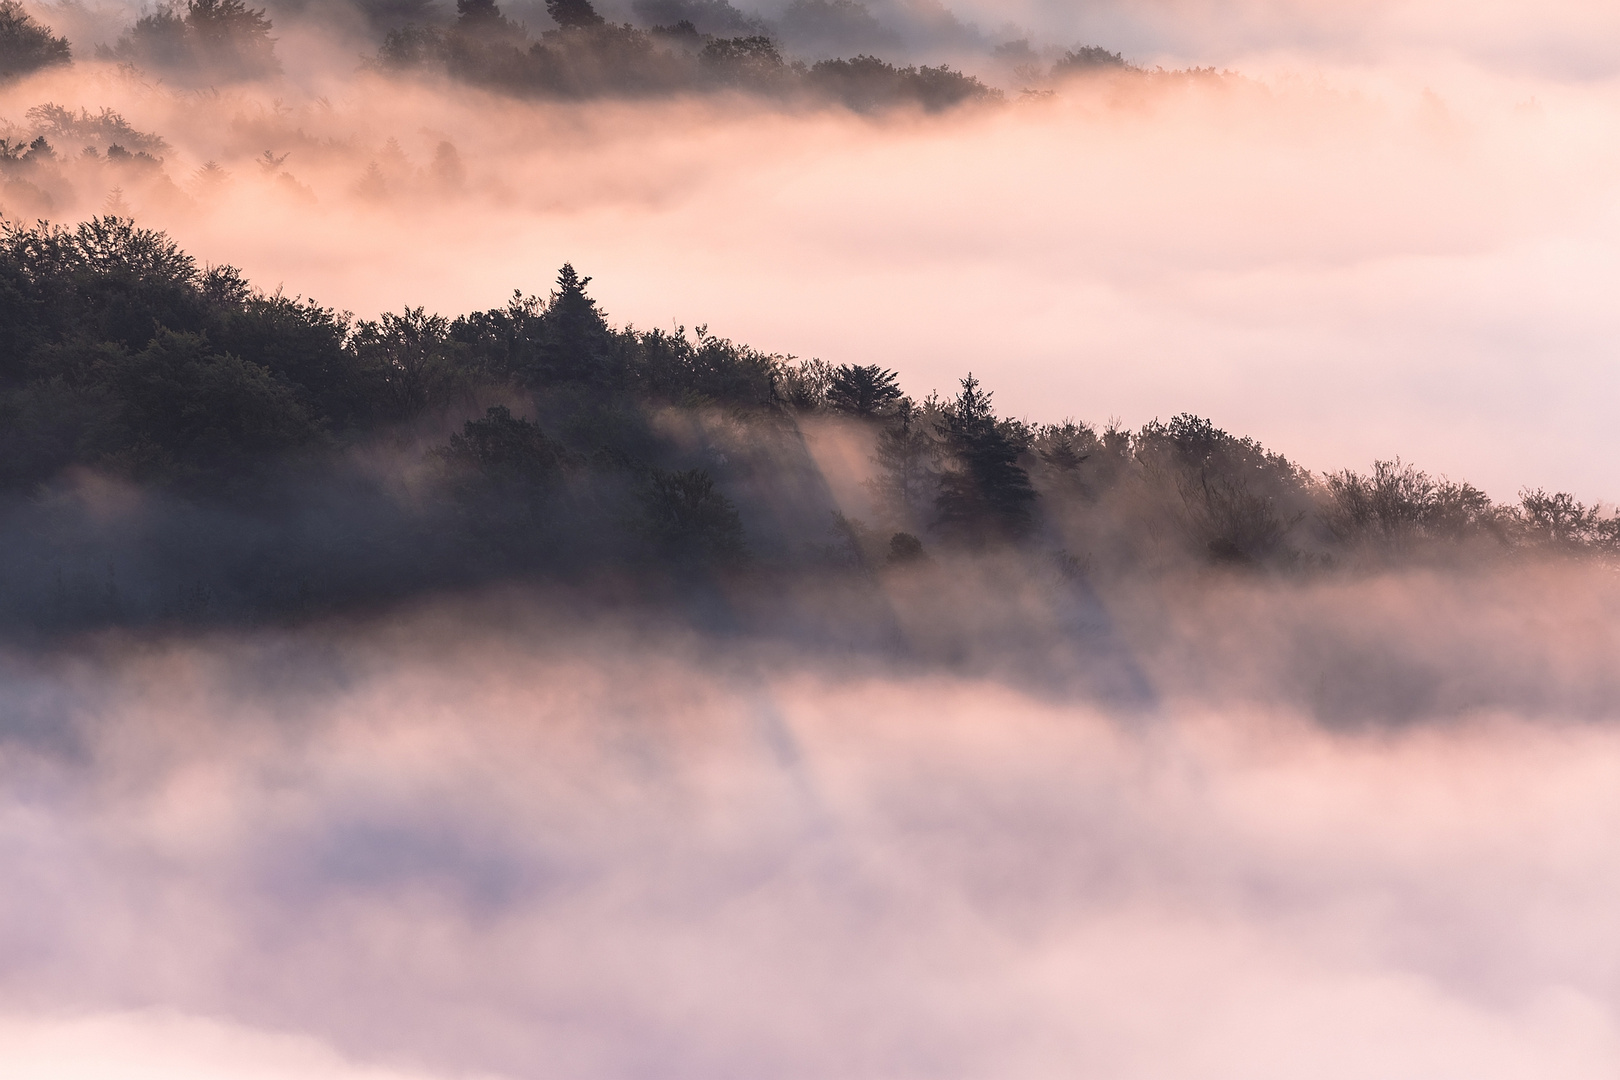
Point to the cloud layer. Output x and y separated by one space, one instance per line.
504 841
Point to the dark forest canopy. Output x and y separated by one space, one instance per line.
173 440
684 47
25 45
584 55
209 40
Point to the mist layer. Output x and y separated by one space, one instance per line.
448 849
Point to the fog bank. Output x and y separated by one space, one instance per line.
503 841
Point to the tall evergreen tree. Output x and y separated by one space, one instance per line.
983 491
576 344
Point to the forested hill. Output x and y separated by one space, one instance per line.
176 445
686 47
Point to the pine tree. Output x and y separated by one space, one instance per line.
577 342
983 491
867 390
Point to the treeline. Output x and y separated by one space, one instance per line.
40 169
173 440
686 47
584 55
25 45
587 56
953 470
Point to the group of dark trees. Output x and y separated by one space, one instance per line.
35 176
535 438
25 45
584 55
209 40
205 41
704 46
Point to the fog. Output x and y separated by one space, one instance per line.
969 818
1564 41
502 839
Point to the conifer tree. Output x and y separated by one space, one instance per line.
865 390
983 491
576 337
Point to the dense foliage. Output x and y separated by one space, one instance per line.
683 47
209 40
26 46
585 56
169 433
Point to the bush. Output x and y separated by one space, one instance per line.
867 83
1237 500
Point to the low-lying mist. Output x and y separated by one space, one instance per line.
508 838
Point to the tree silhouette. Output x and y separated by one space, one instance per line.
575 343
25 45
983 491
409 356
862 391
573 14
214 39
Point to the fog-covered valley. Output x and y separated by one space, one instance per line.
1022 540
